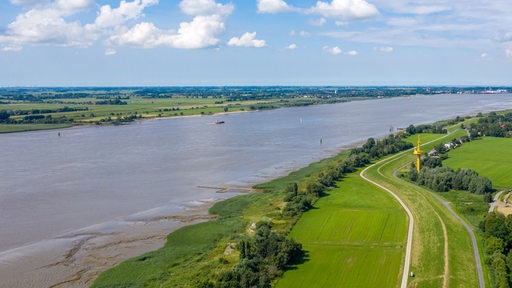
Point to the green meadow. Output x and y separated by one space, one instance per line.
354 238
489 156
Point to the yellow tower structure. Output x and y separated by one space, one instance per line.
417 151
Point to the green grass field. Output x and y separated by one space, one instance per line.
355 238
490 157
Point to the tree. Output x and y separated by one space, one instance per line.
4 116
494 245
494 225
314 188
411 130
488 198
499 268
370 143
413 172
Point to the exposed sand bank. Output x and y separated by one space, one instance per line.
76 259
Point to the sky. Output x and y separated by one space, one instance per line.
255 42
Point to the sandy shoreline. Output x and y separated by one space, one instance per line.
76 259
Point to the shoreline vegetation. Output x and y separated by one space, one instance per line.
218 250
28 109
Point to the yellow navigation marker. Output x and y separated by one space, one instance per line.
417 151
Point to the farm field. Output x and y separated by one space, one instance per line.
355 238
489 156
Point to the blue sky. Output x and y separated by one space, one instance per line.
255 42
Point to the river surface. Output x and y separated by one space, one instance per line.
51 185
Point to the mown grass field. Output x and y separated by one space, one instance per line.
355 238
489 156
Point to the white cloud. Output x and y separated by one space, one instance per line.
352 53
301 33
143 35
332 50
74 5
403 21
273 6
113 17
205 8
292 46
318 22
428 9
28 2
417 7
385 49
504 37
12 48
508 52
47 23
110 52
247 40
202 32
345 9
45 26
484 55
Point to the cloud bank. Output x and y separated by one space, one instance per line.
47 23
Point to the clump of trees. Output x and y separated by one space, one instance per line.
430 128
441 179
263 258
497 231
382 147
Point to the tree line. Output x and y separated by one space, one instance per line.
497 232
442 179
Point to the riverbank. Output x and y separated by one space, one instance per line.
76 259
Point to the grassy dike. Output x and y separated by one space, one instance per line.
355 236
442 254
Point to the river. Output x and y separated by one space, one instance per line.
100 178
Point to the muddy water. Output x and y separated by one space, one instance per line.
57 192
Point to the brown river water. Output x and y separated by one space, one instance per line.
75 204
